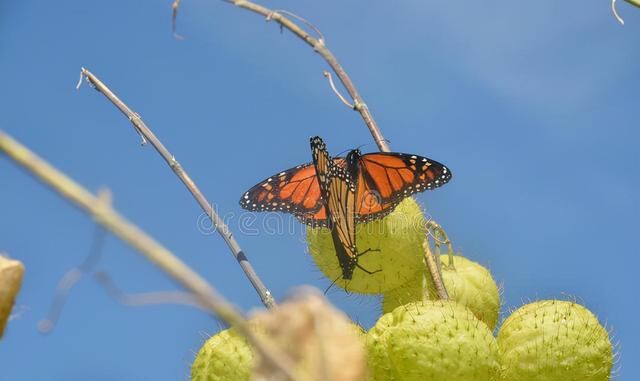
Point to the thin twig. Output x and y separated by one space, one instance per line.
111 220
321 38
335 90
615 12
221 227
146 298
319 46
70 279
635 3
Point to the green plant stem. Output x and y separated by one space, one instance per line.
431 263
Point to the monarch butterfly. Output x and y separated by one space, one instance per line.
338 186
365 187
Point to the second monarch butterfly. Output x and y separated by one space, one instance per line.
338 187
369 186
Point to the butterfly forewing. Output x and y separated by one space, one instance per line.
386 178
294 191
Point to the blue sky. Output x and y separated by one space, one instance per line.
532 105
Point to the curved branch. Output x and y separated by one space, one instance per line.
319 47
221 227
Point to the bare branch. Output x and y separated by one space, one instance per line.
635 3
146 298
319 46
72 277
221 227
111 220
321 38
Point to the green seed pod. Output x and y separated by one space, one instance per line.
467 283
433 340
397 240
226 356
553 340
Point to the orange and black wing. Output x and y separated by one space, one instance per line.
294 191
386 178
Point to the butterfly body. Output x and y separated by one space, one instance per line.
338 187
337 193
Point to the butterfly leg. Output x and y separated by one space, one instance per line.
367 271
366 251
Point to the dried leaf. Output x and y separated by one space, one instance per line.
321 340
10 280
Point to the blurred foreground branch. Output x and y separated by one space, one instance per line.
111 220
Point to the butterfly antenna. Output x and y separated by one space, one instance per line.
341 153
331 285
368 144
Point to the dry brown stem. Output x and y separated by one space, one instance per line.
112 221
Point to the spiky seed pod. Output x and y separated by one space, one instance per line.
554 340
467 283
226 356
435 341
398 240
